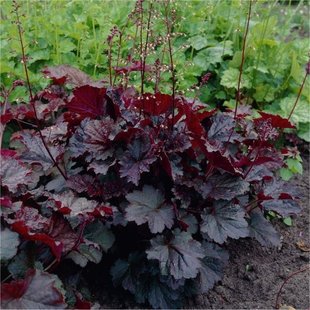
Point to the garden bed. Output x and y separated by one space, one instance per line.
254 274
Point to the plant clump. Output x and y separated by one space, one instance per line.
181 192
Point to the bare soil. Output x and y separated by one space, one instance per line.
255 274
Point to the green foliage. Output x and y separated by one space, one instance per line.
207 37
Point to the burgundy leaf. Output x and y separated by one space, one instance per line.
81 303
275 120
25 232
39 290
61 231
88 101
154 104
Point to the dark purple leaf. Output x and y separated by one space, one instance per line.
258 173
137 159
93 138
262 230
222 128
284 207
34 151
224 220
178 140
179 257
56 133
213 265
149 206
84 183
14 173
223 187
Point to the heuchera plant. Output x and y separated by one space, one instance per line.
151 184
181 186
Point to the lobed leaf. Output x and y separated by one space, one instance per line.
149 206
179 257
224 220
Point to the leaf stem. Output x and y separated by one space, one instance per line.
277 305
243 58
298 96
168 24
51 265
145 47
24 61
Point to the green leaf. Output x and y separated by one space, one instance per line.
304 131
9 244
198 42
301 113
294 165
86 252
39 55
20 264
236 61
288 221
286 174
230 79
296 71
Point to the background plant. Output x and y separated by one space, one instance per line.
207 40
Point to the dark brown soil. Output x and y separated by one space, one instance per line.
255 274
